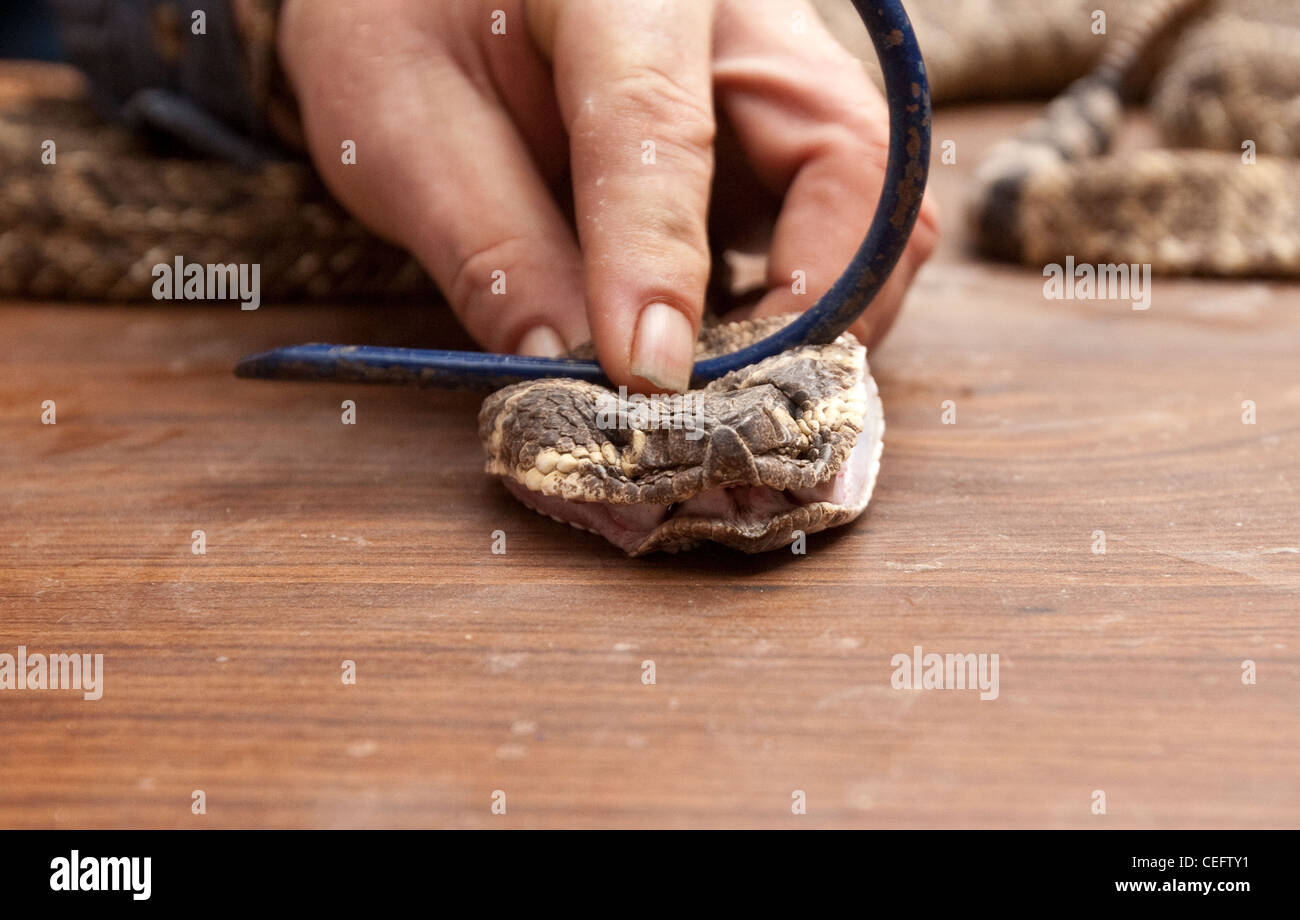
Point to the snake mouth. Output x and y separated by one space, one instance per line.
751 518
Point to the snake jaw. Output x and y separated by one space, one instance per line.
748 518
787 445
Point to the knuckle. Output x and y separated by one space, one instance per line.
864 146
473 272
675 234
650 96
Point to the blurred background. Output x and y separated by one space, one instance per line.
27 30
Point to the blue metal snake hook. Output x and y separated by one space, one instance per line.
908 94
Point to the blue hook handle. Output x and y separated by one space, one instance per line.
908 94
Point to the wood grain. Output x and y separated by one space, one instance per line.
522 672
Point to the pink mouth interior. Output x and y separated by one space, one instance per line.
748 506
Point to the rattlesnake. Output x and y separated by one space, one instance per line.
1222 81
793 443
763 475
786 446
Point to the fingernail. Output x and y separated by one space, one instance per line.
663 350
541 342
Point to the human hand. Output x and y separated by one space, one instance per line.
480 152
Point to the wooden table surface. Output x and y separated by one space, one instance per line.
1119 672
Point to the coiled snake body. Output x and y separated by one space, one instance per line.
1221 79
